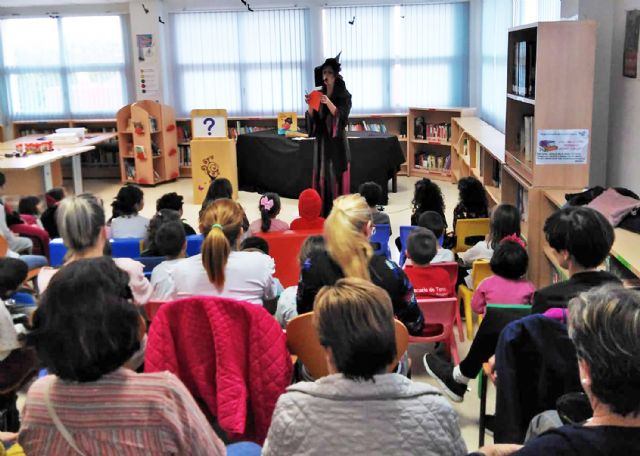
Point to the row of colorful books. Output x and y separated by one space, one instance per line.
437 132
364 126
184 134
184 155
234 132
523 70
433 162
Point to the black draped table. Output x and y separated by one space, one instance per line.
268 162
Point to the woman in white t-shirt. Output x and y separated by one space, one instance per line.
221 269
125 221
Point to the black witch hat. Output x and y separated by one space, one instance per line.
334 63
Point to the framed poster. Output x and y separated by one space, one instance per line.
631 36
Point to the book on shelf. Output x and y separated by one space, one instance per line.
526 138
432 162
184 134
522 203
184 155
438 132
497 174
523 71
364 126
130 168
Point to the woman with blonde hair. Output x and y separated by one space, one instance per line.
349 254
221 269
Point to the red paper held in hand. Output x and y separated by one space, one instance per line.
314 100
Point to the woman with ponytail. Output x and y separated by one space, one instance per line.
222 269
349 254
269 207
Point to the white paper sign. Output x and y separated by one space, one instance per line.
562 147
209 127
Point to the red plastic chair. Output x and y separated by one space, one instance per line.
452 270
440 311
38 236
284 248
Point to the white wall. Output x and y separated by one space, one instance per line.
624 114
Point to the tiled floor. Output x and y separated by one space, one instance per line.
399 209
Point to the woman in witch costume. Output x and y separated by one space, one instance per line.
331 164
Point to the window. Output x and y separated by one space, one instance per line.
78 70
394 57
529 11
248 63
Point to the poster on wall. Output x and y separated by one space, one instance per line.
146 49
562 147
631 36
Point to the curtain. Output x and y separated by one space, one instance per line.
496 21
80 70
394 57
250 63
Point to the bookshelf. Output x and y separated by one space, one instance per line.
624 259
393 124
99 163
549 87
477 149
429 139
148 143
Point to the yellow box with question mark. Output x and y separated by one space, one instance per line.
213 154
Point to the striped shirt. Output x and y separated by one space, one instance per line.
123 413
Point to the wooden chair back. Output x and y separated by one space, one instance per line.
4 246
303 341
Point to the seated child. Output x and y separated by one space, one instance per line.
507 286
428 281
309 208
151 249
269 207
255 244
172 243
472 200
433 222
13 273
30 209
372 192
125 221
287 308
174 202
48 218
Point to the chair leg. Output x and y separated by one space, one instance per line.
459 323
468 316
482 380
453 349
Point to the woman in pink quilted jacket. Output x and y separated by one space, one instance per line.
360 408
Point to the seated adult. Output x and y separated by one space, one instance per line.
221 269
81 222
83 332
349 254
604 324
580 239
359 408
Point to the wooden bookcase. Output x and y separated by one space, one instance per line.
102 162
559 97
477 149
148 144
428 154
393 124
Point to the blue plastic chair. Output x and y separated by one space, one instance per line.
380 240
57 251
125 247
150 262
194 244
405 231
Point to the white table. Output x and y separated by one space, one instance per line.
23 179
44 160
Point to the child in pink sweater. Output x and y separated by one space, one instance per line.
507 286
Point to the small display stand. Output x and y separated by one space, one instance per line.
213 154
